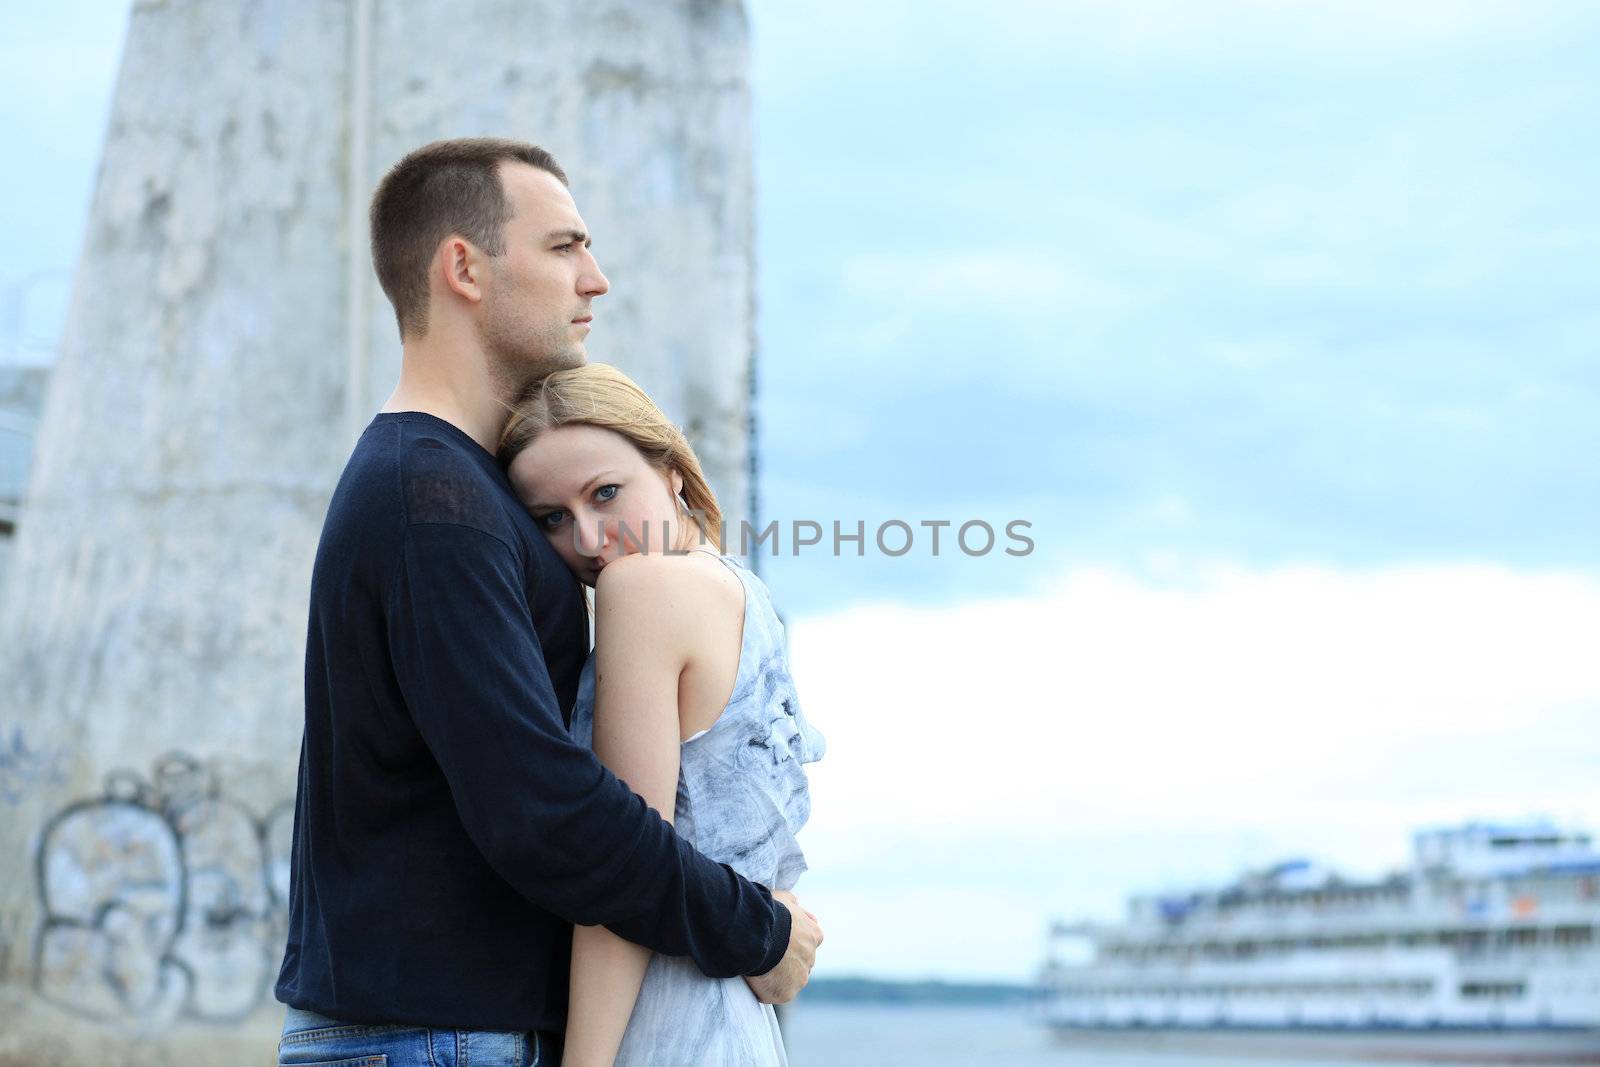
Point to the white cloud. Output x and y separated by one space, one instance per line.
1071 746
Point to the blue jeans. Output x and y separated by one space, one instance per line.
312 1040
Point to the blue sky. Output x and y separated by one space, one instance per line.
1275 319
1275 280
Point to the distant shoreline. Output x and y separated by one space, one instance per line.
931 991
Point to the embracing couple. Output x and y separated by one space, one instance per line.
473 780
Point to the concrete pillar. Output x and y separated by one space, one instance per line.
22 388
225 339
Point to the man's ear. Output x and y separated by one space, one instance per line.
461 266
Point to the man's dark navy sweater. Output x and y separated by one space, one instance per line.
448 831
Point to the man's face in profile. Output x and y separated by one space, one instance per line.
536 310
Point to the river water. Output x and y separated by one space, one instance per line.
877 1035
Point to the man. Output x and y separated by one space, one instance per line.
448 830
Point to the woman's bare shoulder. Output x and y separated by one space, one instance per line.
692 592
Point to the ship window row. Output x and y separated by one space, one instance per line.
1417 987
1318 898
1240 903
1566 937
1581 840
1275 901
1492 990
1560 936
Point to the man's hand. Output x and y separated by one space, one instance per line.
779 985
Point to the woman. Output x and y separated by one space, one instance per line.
687 697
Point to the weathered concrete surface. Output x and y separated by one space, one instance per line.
152 626
21 396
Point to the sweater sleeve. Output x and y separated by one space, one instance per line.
546 814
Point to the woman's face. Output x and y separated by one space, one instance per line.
596 498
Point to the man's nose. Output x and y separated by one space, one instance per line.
592 283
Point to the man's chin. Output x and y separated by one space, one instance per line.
576 356
533 370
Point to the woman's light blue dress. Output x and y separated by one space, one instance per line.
742 797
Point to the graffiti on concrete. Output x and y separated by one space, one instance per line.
24 768
162 899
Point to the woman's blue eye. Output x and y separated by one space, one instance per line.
551 519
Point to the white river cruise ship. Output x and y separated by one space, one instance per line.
1485 949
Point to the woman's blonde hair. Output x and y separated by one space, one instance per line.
598 394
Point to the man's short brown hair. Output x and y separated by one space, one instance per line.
443 188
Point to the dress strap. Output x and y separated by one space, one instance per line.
733 563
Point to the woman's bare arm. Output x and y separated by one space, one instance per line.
641 648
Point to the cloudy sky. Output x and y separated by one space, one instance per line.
1275 320
1278 322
